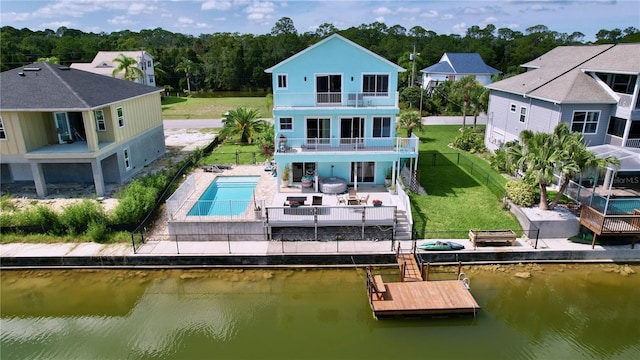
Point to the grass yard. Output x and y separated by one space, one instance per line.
456 201
243 154
210 108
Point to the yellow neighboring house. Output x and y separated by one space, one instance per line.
60 125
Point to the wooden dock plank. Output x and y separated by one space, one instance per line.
424 298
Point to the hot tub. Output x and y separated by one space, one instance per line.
333 185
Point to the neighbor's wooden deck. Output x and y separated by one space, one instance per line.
414 296
610 225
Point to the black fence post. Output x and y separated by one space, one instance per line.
133 243
537 236
237 158
177 247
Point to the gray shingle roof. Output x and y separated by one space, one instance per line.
53 87
461 63
560 75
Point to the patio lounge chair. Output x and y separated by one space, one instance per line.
341 200
364 199
211 168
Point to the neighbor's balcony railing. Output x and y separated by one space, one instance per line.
634 143
339 99
315 145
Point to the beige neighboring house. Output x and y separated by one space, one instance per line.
103 64
60 125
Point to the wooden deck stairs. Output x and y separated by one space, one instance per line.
403 229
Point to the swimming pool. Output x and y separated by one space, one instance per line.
618 205
225 196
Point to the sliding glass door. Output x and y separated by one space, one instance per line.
329 89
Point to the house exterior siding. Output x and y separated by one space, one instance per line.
330 131
48 145
574 84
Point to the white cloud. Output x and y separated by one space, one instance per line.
120 20
260 11
460 28
429 14
490 20
216 5
380 19
402 10
13 16
382 11
57 24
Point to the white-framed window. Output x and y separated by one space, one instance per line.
513 108
3 133
286 124
149 64
101 124
585 122
282 81
120 114
382 126
127 158
523 114
151 79
375 84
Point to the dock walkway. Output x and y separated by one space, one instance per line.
415 296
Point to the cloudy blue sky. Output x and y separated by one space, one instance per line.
258 16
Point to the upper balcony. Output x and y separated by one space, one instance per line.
335 99
399 145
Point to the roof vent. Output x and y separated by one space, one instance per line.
31 69
21 73
64 68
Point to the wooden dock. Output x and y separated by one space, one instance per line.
414 296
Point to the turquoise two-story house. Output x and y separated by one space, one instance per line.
335 108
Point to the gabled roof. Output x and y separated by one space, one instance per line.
103 64
50 87
334 37
461 63
562 75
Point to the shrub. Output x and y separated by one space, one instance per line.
521 193
97 231
138 198
77 217
469 140
500 161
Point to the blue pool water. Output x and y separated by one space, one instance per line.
225 196
617 206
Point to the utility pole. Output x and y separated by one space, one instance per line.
413 66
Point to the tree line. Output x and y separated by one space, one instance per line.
234 61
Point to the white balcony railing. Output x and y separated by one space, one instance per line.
315 145
633 143
340 99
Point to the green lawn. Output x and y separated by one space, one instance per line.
210 108
456 201
227 153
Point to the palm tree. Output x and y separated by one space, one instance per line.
187 66
410 120
130 67
480 103
575 157
242 123
466 89
538 155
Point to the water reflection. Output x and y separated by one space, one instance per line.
557 312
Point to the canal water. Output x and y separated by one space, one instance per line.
528 312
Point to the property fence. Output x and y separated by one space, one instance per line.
611 206
462 161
